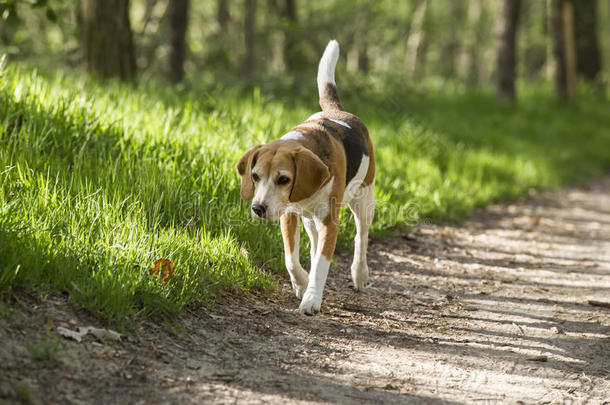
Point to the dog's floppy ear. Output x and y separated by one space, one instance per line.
310 174
244 168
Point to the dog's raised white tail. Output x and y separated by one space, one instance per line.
327 88
326 68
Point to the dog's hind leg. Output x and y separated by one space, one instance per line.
363 208
312 232
291 232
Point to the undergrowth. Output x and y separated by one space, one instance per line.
98 180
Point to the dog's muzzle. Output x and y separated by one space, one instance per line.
259 210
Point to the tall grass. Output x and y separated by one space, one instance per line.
97 181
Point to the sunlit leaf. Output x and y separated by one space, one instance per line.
164 269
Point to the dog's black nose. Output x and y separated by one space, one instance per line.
259 209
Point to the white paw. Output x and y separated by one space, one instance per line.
311 302
299 280
360 275
299 289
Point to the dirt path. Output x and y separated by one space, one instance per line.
497 309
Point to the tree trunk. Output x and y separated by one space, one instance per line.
569 44
363 55
219 55
564 48
588 56
471 54
148 14
178 19
451 44
532 26
106 39
357 57
549 65
222 15
415 37
507 50
291 55
249 62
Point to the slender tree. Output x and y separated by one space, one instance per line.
218 51
564 47
106 38
291 54
249 61
363 55
471 51
532 35
222 14
549 30
588 57
148 14
507 50
414 39
357 46
452 41
178 19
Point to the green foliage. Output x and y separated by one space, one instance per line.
97 181
22 392
41 29
47 349
6 311
457 40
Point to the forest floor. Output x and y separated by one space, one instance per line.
505 307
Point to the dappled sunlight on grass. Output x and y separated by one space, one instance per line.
100 180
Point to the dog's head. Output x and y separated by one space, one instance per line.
277 174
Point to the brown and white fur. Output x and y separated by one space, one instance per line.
309 174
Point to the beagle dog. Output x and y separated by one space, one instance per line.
310 173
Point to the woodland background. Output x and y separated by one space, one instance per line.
476 42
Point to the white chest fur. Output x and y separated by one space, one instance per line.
316 206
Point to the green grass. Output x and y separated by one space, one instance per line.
46 349
97 181
22 392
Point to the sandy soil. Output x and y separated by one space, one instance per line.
503 308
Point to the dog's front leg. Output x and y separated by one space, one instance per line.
327 239
291 235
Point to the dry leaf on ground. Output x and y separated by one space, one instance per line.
164 269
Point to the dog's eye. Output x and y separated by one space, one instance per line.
255 177
283 180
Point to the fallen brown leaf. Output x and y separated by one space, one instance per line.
164 269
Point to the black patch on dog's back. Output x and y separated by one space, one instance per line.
353 143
